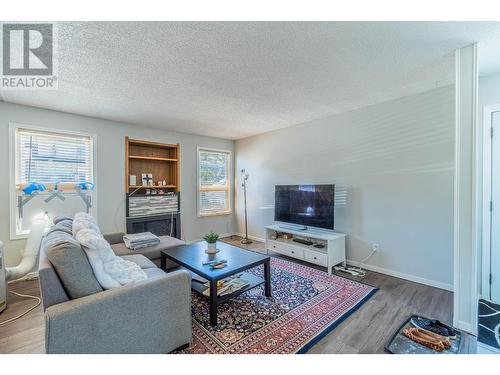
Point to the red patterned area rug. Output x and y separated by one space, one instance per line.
306 305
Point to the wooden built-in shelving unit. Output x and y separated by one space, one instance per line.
159 159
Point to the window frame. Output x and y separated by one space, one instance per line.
14 156
228 188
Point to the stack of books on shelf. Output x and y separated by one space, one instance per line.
227 286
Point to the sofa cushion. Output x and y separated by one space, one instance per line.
51 288
154 272
140 260
113 238
71 264
152 252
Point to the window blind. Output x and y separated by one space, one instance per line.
46 157
213 182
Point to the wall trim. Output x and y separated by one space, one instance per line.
201 239
255 238
464 326
33 275
466 234
385 271
401 275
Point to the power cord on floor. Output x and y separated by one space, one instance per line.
38 301
362 263
356 271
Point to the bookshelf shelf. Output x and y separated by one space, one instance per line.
150 158
161 160
152 187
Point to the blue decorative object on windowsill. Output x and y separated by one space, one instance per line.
85 186
33 187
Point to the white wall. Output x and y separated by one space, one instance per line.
110 169
396 160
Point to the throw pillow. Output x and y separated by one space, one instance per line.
63 226
71 264
61 217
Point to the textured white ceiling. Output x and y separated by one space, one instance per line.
233 79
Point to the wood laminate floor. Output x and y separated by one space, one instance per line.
27 334
365 331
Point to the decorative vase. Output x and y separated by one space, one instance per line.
211 249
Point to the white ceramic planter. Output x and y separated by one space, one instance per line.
211 249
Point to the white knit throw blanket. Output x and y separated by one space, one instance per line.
111 271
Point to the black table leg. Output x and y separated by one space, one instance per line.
267 278
163 262
213 303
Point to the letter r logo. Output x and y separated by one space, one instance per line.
27 49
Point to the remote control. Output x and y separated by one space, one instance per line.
218 266
214 262
304 242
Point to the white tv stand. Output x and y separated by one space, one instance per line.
330 255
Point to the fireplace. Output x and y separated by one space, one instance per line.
161 225
158 214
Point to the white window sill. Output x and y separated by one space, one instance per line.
20 235
225 213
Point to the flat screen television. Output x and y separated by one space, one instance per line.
305 205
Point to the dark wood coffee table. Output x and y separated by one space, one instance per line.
193 256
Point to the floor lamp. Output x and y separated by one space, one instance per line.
244 176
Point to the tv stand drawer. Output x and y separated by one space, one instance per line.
288 250
321 259
295 252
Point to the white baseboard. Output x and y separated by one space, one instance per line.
200 239
30 276
416 279
255 238
385 271
464 326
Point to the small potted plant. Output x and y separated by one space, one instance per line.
211 239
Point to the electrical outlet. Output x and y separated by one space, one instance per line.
376 247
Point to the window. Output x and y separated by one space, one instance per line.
49 158
214 182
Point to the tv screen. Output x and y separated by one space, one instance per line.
309 205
